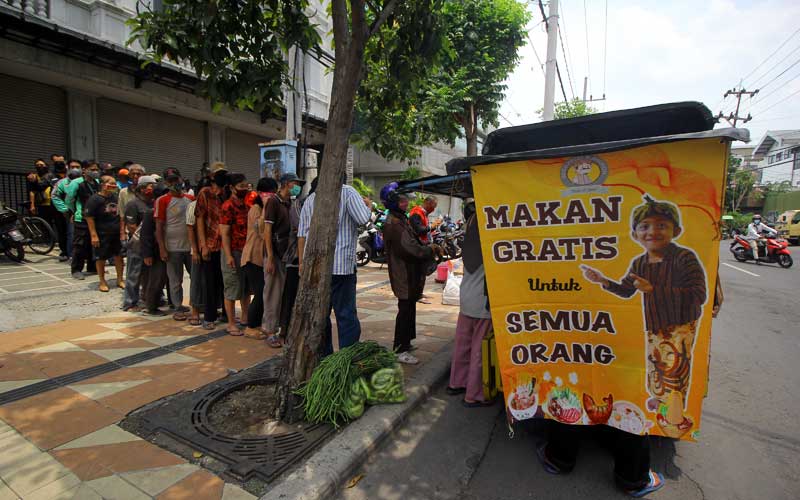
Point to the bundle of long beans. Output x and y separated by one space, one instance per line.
329 395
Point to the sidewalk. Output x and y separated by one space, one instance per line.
65 442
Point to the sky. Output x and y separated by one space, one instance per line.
659 52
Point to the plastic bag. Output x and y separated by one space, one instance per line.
452 290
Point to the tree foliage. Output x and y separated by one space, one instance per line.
571 109
454 97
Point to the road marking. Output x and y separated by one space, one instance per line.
740 269
38 289
47 274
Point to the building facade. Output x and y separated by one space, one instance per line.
778 158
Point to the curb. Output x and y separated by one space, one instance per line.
330 466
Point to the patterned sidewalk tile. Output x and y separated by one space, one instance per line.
201 485
115 488
93 462
154 481
113 434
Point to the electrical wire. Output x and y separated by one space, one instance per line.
755 82
588 63
770 56
780 101
566 64
760 97
780 74
541 66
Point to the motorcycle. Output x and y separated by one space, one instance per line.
370 246
12 241
774 250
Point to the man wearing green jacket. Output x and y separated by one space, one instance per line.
78 192
59 198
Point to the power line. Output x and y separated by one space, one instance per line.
763 97
558 72
566 62
775 66
541 66
588 64
780 74
770 56
785 98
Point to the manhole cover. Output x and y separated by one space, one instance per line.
185 418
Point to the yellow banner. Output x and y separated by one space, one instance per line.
601 273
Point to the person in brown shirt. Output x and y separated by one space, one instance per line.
207 211
253 256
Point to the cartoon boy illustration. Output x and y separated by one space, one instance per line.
582 171
673 287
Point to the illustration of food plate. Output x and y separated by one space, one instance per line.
628 417
563 405
523 402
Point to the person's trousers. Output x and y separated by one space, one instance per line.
255 277
176 263
754 247
154 279
61 224
631 451
273 295
343 303
289 295
82 249
405 326
133 274
197 286
465 367
212 274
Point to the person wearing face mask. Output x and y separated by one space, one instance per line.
233 231
207 214
58 197
40 184
135 172
277 229
78 193
253 256
172 236
135 212
103 222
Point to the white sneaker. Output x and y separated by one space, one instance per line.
407 358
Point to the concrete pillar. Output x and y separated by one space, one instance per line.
82 118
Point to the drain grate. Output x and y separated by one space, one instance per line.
185 419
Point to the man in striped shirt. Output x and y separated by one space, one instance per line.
673 286
353 212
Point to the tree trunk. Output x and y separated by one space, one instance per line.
310 313
471 131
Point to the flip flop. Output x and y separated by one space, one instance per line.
209 325
452 391
275 342
655 483
103 288
255 334
424 301
121 284
194 321
477 404
235 332
179 316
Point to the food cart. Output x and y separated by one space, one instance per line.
600 238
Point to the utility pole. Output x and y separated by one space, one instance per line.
591 98
550 63
732 118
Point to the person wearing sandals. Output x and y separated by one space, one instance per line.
277 228
197 283
253 256
103 222
233 230
631 452
407 261
172 236
207 212
474 320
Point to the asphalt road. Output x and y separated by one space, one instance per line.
748 449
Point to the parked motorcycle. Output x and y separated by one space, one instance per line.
773 250
12 241
370 246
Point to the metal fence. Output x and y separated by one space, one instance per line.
13 189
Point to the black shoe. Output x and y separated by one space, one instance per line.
63 258
78 275
93 271
453 391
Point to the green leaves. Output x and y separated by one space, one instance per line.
235 46
407 103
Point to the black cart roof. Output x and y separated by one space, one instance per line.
599 133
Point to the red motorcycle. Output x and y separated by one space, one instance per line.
774 249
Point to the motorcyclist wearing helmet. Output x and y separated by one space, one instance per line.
754 230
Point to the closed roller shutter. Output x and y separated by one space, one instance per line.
241 153
155 139
33 123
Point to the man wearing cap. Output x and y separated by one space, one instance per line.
135 171
58 197
135 211
277 230
207 213
353 212
78 193
122 179
172 237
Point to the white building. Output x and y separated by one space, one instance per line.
777 156
69 84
